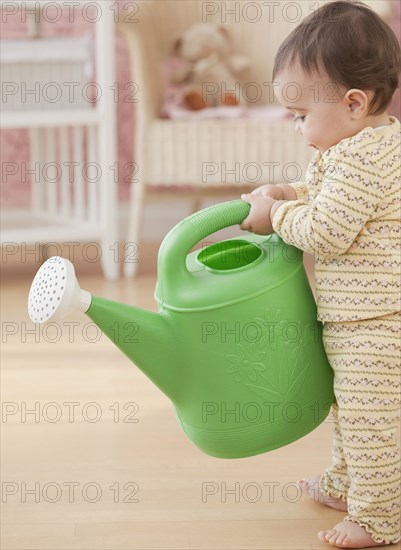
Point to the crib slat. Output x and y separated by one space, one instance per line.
93 185
79 194
50 171
36 137
65 179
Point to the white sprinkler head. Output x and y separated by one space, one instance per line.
55 292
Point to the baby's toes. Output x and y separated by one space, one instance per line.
341 539
332 536
324 536
303 483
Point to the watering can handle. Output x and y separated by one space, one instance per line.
185 235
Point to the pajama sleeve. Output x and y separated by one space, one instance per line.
301 190
327 227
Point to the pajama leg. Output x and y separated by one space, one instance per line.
365 357
335 480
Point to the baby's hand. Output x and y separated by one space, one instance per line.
258 220
269 190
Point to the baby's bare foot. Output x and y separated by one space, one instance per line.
311 488
348 534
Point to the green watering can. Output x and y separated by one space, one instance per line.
235 345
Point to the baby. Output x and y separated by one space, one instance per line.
345 63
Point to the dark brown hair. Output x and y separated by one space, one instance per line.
349 42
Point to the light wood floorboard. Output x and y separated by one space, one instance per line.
166 474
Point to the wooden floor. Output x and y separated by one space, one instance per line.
131 479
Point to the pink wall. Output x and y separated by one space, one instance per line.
14 143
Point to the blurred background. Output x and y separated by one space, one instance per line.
99 145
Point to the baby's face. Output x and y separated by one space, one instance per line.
321 114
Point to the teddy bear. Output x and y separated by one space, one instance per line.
209 73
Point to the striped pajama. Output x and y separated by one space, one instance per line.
347 214
366 359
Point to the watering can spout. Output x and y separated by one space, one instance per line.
143 336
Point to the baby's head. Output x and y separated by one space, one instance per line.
337 72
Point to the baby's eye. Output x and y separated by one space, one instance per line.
299 118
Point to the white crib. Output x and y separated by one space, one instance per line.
47 88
